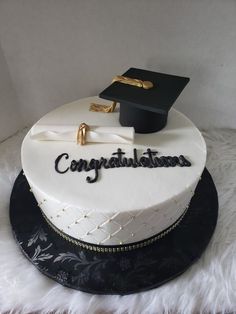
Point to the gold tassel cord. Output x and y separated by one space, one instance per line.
133 82
124 80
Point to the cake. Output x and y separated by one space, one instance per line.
127 207
114 196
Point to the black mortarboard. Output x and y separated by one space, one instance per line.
145 109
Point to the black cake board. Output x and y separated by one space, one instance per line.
113 273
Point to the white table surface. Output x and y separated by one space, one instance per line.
208 286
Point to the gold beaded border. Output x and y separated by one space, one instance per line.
115 249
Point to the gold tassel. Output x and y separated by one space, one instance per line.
124 80
102 108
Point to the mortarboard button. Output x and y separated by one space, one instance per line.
145 109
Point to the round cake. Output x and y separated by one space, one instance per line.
126 205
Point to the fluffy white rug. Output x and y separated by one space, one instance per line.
208 286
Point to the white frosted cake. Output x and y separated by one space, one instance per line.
126 205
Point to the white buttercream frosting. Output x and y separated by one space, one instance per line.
125 205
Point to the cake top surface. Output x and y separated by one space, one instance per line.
118 189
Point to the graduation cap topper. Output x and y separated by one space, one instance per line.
145 98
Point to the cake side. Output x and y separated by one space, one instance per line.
115 227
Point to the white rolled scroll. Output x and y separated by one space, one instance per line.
95 134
